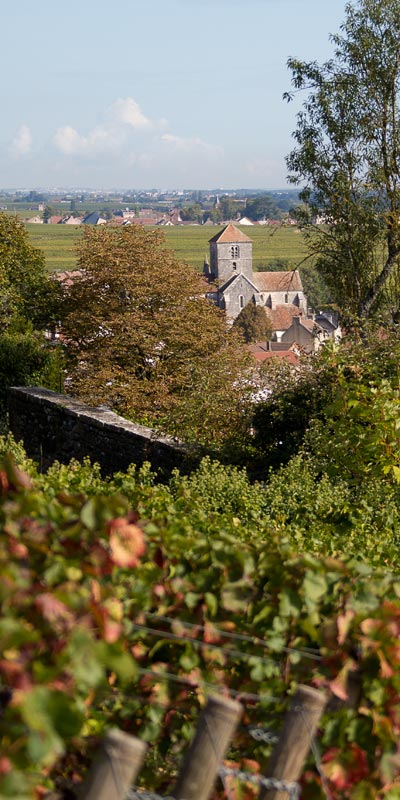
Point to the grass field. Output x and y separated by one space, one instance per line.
58 243
190 244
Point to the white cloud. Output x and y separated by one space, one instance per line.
68 141
127 111
100 140
122 117
191 145
143 146
22 142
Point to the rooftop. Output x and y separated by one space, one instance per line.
230 234
288 281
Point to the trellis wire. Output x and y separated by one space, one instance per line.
262 734
197 643
292 788
306 652
235 693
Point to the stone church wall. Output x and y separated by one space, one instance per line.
56 427
221 260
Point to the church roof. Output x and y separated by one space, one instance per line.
281 317
230 234
233 280
288 281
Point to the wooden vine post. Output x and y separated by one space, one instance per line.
214 732
299 728
116 765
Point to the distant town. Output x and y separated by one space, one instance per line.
151 207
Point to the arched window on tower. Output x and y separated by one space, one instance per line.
235 253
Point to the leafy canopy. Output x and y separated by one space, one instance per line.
26 291
253 324
28 303
347 158
142 337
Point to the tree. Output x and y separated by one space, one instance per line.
26 291
347 158
253 324
28 304
214 214
192 213
47 213
26 359
261 207
142 337
230 208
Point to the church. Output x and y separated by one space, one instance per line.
234 284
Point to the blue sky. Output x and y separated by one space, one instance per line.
153 93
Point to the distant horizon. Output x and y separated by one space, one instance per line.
153 189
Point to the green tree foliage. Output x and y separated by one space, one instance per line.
318 294
47 213
214 214
28 304
361 364
253 324
142 337
362 419
230 208
26 292
346 158
261 207
192 213
26 360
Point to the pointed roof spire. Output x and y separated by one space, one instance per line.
230 234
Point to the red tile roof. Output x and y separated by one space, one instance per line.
288 281
286 355
67 278
230 234
281 317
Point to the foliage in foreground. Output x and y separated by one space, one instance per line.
85 640
322 393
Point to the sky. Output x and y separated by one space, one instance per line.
163 94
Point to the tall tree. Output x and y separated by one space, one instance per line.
142 337
28 304
253 324
260 207
348 158
25 289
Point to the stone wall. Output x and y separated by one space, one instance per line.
55 427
